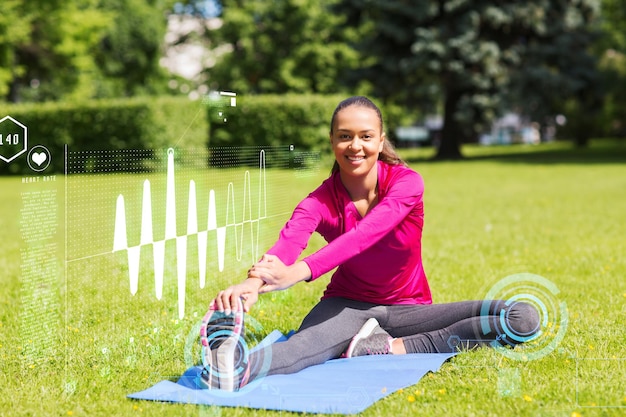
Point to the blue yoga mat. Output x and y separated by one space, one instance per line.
339 386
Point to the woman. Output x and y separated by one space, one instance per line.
378 301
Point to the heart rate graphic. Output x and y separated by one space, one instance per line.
38 158
120 238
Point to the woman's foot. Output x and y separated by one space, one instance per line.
224 351
370 340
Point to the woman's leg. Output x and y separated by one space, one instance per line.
324 334
460 326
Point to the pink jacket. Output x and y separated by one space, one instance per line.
378 257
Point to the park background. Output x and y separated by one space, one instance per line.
542 81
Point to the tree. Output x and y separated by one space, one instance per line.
545 69
53 60
611 48
282 46
129 50
14 29
79 49
468 50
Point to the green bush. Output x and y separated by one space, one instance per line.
140 123
298 122
270 120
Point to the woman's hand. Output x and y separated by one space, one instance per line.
276 275
269 274
227 300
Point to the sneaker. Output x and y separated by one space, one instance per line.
224 352
370 340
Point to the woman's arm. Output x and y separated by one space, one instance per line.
292 241
403 194
277 275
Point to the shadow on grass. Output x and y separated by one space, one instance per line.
601 151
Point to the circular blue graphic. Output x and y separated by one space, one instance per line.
194 353
538 292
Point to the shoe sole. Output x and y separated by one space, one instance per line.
221 358
365 331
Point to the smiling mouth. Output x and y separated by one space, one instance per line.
355 158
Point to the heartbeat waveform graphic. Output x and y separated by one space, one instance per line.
120 240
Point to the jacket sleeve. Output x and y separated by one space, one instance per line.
295 235
402 195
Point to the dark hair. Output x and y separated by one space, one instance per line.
388 154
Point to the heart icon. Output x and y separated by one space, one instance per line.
39 158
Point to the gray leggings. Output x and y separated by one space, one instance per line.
327 330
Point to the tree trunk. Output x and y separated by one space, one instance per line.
450 141
582 140
14 96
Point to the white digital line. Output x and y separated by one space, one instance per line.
97 255
120 238
170 198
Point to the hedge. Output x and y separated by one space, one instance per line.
137 123
297 121
149 123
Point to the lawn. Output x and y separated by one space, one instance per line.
544 220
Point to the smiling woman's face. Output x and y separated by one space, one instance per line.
356 140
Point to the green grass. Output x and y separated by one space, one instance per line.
549 210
